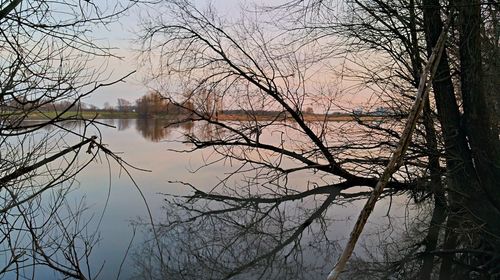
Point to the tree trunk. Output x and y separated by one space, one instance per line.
439 212
450 242
460 171
478 110
470 146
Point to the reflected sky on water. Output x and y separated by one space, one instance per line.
148 144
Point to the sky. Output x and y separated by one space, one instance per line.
121 35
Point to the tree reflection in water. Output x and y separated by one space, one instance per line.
245 232
233 240
153 129
263 237
123 124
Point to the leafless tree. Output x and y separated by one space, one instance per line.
124 105
48 56
252 229
253 66
405 31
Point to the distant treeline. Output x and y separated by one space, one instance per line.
153 104
44 105
255 112
150 105
378 112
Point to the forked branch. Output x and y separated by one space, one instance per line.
397 156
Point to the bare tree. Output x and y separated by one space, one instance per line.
252 229
151 104
385 44
124 105
402 31
47 56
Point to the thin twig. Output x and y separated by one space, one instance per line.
397 156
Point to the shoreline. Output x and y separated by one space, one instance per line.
220 117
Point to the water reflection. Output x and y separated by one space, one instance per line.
124 124
233 243
213 248
196 240
154 130
201 248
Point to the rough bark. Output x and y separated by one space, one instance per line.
471 168
478 110
436 184
458 163
439 212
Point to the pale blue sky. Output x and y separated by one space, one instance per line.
121 34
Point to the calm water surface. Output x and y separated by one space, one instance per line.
147 144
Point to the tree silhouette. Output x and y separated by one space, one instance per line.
45 71
384 45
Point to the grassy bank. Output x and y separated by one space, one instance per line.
220 117
307 117
84 114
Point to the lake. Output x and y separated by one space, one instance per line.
145 143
